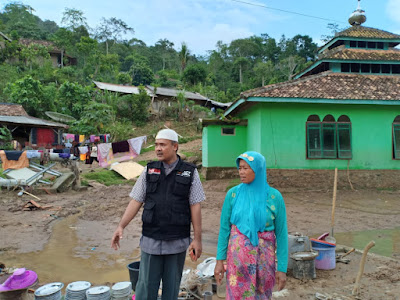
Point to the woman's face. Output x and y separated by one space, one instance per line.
246 173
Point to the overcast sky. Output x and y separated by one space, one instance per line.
201 23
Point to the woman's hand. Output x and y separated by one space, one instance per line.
219 271
280 278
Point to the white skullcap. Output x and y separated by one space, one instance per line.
167 134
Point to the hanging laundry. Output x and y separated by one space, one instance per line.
81 138
104 154
83 150
120 147
136 143
31 154
64 155
13 155
22 162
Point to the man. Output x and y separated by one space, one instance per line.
171 192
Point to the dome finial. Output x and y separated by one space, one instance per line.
358 16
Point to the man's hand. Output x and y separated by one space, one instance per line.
196 247
117 236
280 280
219 271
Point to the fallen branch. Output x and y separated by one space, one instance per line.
36 197
356 289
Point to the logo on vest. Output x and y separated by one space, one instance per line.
154 171
184 173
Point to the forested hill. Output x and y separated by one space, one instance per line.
105 54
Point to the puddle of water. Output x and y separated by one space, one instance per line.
387 241
58 263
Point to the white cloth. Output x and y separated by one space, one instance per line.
136 143
30 154
104 149
83 150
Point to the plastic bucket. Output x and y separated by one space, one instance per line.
134 273
326 259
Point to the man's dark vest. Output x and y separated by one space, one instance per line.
166 211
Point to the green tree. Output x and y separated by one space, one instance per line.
264 71
124 78
73 98
194 74
73 18
94 118
86 47
19 18
141 74
29 93
111 30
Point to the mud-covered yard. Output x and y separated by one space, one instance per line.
26 234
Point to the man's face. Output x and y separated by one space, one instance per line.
166 150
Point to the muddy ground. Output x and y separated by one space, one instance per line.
99 209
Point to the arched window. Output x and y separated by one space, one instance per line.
313 118
343 119
396 137
329 139
329 118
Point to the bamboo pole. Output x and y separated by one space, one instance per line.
334 201
356 289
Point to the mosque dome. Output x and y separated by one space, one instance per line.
358 16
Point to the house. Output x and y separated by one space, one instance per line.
166 96
30 131
341 112
58 56
161 96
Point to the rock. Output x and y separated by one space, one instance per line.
64 182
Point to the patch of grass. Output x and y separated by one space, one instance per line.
232 183
188 139
143 162
107 177
84 182
144 150
202 178
189 154
1 173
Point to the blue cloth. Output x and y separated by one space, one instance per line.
13 155
63 155
249 212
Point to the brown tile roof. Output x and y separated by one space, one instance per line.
361 54
366 32
329 85
10 109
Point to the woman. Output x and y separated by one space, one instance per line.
253 220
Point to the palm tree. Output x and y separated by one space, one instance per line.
184 56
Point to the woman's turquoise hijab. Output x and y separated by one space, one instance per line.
249 212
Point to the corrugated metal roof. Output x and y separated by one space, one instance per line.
5 37
32 121
174 93
126 89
